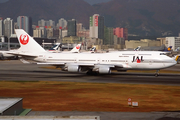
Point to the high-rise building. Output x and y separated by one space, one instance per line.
101 27
40 32
108 36
50 23
79 27
41 23
121 32
1 27
97 26
71 26
173 41
25 23
8 27
62 23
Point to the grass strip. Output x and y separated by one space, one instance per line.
73 96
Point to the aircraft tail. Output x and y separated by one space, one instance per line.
56 47
138 48
76 49
93 49
177 58
169 48
27 43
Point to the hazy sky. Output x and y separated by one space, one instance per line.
89 1
96 1
1 1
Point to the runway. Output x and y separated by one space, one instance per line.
14 70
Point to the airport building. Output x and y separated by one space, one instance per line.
173 41
25 23
71 40
143 43
162 41
97 26
12 106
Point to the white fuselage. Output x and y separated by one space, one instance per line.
146 60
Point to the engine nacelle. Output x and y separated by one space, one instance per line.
73 68
104 70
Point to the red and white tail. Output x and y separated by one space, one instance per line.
27 43
76 49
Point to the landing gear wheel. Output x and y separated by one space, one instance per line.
90 72
157 73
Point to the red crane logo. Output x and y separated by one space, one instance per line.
77 47
24 39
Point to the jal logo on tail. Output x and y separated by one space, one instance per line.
24 39
77 47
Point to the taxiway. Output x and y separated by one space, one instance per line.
14 70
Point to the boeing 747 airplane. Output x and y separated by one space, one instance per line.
101 63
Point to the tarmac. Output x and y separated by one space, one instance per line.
14 70
114 115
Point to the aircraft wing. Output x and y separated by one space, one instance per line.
82 64
63 63
21 54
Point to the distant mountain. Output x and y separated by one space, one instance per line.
92 2
141 17
144 17
48 9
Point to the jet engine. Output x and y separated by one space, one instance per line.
73 68
104 70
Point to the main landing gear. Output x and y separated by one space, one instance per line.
157 73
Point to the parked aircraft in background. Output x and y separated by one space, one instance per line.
76 49
101 63
93 49
56 48
138 48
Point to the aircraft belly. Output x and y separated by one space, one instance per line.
147 66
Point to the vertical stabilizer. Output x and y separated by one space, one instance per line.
76 49
27 43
